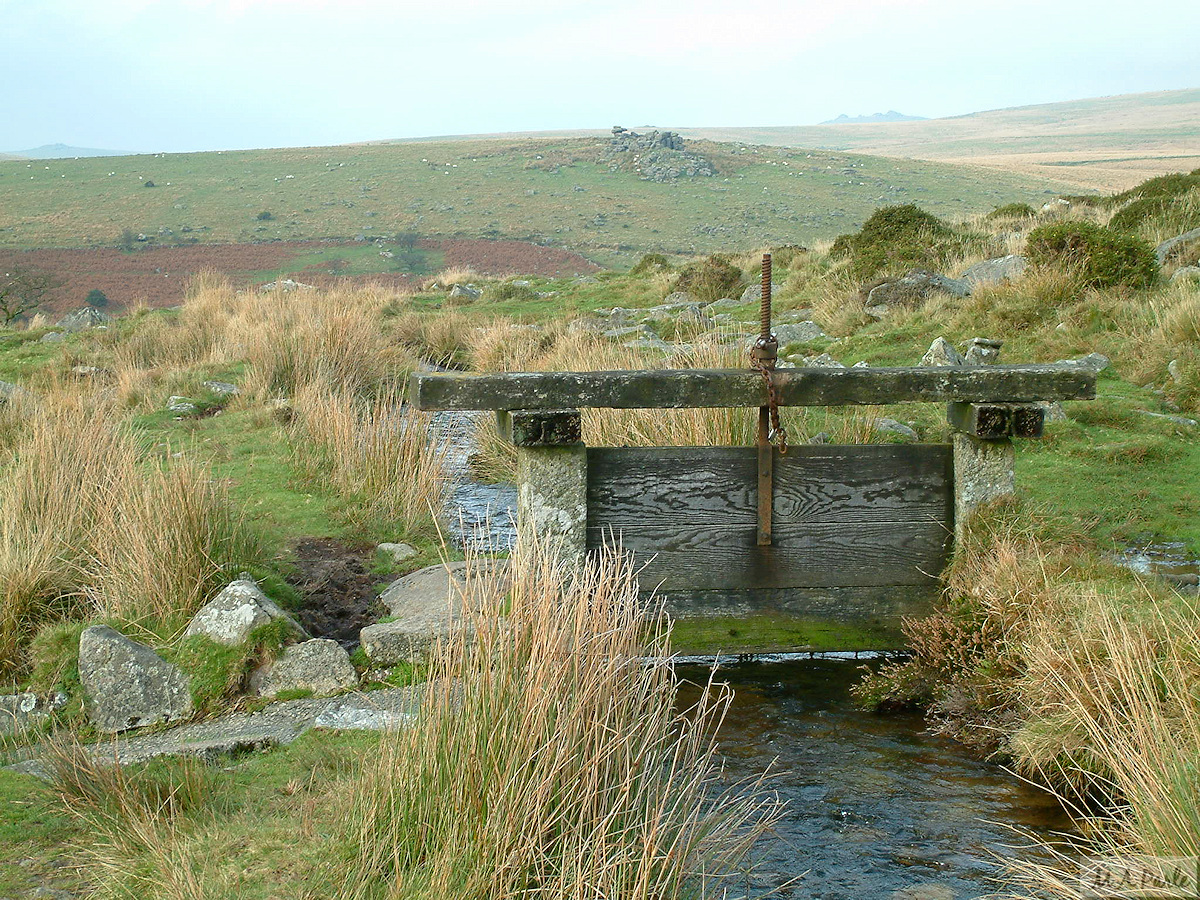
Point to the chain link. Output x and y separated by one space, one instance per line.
778 433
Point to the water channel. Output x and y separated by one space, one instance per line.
877 807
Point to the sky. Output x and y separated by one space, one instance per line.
181 75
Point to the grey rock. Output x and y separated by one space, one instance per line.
287 285
467 291
627 330
861 364
82 371
794 315
994 271
878 311
1175 420
278 724
127 684
53 337
1058 205
320 665
822 361
8 390
19 712
916 285
983 352
891 426
723 303
83 318
230 616
179 404
942 353
1164 249
1093 362
679 297
398 553
1174 371
650 342
221 388
799 333
1184 273
753 294
820 438
1054 411
586 279
425 605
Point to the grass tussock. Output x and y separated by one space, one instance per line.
549 760
375 453
90 526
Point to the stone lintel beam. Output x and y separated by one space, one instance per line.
695 388
540 428
993 421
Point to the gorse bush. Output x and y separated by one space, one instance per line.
896 238
1012 211
649 264
1102 257
710 279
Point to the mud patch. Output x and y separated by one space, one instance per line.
338 596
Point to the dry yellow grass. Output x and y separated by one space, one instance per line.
548 759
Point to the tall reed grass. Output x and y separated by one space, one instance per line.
374 452
548 759
90 526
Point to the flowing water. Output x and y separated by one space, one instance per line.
877 806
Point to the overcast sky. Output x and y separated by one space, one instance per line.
174 75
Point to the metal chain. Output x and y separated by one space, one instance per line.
778 433
763 355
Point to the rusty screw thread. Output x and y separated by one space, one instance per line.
765 307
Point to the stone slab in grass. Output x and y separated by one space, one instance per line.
424 605
231 615
127 684
320 665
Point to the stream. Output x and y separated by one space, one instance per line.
876 806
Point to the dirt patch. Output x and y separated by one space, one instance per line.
338 596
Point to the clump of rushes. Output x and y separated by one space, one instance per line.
90 527
548 759
375 453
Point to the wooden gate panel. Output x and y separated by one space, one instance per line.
857 515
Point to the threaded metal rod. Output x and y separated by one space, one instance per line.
765 306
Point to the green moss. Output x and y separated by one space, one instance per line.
777 633
216 672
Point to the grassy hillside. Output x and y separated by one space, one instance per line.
546 191
1105 143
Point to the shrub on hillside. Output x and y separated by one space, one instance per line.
1168 203
710 279
508 290
1012 211
1101 256
899 237
96 298
651 263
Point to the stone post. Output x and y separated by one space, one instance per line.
551 476
984 461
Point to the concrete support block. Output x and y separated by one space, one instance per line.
552 495
983 471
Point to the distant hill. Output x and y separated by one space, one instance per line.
890 116
1102 143
61 151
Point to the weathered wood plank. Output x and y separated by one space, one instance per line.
728 557
692 388
856 483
